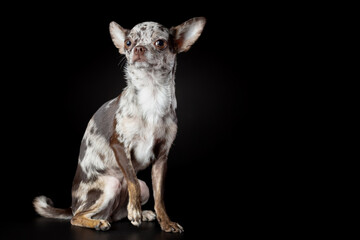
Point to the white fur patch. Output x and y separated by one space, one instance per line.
144 104
155 94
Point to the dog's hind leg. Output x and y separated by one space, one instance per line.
121 211
82 220
94 210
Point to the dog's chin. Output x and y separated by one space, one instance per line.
141 64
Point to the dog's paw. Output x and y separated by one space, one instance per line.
148 216
134 214
103 225
169 226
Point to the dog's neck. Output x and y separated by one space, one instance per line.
150 94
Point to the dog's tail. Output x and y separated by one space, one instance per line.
44 207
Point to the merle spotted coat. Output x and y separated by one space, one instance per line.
130 132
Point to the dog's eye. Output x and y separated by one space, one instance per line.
160 44
127 43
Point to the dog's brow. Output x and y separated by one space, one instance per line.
149 29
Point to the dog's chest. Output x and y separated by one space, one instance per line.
144 146
153 101
144 122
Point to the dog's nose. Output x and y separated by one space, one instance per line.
139 50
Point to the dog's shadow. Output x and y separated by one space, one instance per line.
54 228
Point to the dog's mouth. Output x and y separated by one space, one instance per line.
139 58
140 61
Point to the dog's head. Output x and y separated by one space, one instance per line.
150 45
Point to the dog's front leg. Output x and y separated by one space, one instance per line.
158 176
134 206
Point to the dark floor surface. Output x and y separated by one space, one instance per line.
51 229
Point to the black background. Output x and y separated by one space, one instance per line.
61 66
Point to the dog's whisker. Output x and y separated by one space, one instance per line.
122 62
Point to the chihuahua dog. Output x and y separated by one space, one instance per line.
129 133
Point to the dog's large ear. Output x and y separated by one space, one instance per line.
118 35
187 33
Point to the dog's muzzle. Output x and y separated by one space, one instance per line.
139 54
